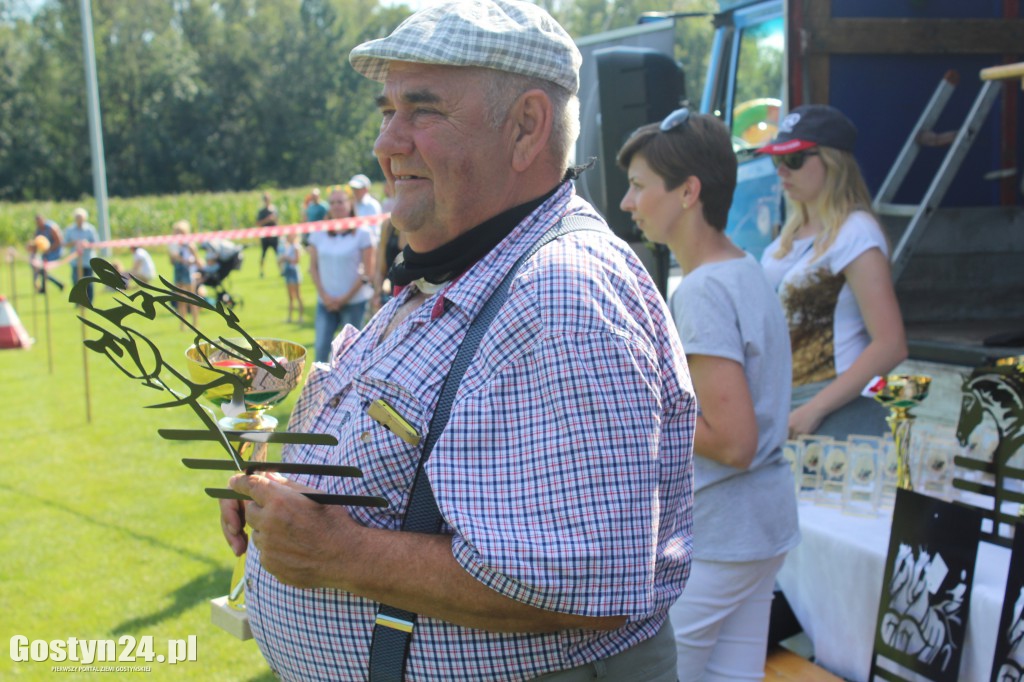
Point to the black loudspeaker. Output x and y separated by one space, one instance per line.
636 86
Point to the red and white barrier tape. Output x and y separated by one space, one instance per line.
339 225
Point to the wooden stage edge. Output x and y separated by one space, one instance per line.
785 666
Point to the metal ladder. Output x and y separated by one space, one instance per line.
922 212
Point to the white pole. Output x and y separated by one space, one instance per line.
99 171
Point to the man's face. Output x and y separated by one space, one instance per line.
450 168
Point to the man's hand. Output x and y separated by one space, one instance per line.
298 539
232 524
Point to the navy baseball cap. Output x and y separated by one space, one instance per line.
813 125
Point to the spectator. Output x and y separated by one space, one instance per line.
316 209
340 265
562 476
391 244
77 237
682 174
143 267
365 204
185 260
267 217
52 233
830 266
288 258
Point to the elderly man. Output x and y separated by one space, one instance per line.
364 202
78 237
561 482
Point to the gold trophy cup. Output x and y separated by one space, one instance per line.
207 364
900 393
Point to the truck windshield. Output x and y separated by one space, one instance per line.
758 89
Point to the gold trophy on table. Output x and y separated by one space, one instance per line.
900 393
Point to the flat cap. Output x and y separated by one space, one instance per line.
505 35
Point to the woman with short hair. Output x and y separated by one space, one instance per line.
682 174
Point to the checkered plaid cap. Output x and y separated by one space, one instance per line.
506 35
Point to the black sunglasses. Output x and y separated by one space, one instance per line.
794 161
674 120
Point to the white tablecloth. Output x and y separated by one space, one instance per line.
833 581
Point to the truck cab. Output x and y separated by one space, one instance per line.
747 88
956 267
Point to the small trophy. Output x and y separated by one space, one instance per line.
835 471
811 463
863 488
900 393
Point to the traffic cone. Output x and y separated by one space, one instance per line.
12 333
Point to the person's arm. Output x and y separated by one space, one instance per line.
306 544
57 239
726 429
870 279
314 274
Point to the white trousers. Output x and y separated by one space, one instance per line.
721 620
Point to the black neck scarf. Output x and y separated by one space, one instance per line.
450 260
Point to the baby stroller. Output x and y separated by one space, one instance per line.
222 258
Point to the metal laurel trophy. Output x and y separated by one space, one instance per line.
900 393
242 375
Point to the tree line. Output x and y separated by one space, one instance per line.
214 95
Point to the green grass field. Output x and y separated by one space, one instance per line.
105 533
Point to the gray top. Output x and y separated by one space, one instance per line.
727 309
74 233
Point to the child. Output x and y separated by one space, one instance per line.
288 259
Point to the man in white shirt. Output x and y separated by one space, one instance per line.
364 202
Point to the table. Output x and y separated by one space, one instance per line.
833 582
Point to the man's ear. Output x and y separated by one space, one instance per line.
532 118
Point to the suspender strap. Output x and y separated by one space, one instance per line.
392 631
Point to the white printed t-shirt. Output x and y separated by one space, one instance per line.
827 331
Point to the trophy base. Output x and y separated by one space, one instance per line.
233 621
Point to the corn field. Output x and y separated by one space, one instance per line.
153 215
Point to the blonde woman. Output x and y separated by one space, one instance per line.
830 267
185 260
340 264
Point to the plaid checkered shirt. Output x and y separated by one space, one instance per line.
564 475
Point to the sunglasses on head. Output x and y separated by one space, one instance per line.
794 161
674 120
